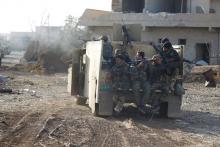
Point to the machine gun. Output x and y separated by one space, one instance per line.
126 36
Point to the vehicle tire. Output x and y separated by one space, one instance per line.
163 112
96 113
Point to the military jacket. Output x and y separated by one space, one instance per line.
139 73
107 51
120 73
170 56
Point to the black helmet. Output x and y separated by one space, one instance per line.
104 38
120 57
164 40
167 45
141 53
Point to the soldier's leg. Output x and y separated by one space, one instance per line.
146 92
118 100
119 103
118 97
136 89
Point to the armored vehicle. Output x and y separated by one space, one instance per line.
93 80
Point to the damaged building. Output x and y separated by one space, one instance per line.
193 23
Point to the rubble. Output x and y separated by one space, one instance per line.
4 90
3 79
47 60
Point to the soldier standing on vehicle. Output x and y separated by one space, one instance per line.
120 81
159 48
139 75
171 59
169 54
107 49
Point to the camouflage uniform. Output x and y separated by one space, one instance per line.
172 62
170 67
107 51
120 77
158 75
171 58
158 78
139 81
120 84
124 53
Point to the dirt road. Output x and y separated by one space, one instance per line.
44 114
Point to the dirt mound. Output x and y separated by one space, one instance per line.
194 78
32 51
50 59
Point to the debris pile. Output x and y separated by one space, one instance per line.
51 59
32 51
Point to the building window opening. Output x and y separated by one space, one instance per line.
133 6
202 52
182 41
180 6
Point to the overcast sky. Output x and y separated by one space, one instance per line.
24 15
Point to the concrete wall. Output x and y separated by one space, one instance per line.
215 4
192 36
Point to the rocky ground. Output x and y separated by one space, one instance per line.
42 113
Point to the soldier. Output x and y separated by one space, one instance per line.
171 59
124 54
168 68
107 49
169 54
158 76
139 73
159 48
120 81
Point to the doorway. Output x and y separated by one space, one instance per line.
203 52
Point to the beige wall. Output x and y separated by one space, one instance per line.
192 36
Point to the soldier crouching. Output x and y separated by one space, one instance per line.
120 81
158 77
139 73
